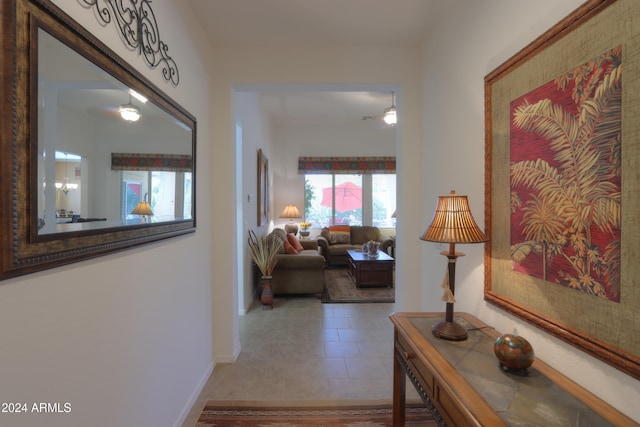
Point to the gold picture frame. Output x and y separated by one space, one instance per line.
263 189
605 329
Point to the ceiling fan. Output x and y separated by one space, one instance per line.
377 121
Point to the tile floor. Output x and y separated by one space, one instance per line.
306 350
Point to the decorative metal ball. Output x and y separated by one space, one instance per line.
513 352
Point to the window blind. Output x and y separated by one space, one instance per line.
347 165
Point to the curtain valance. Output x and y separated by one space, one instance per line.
351 165
151 162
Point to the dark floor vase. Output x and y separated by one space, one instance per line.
267 293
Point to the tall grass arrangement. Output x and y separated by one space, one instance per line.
264 251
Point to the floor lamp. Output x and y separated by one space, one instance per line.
452 223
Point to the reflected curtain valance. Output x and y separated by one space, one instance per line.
347 165
151 162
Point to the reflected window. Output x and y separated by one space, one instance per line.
163 194
168 194
187 205
131 196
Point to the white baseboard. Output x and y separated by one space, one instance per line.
194 396
230 358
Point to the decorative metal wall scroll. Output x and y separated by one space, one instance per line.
139 30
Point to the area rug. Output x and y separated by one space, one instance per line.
263 414
340 288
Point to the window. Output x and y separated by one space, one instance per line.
367 199
383 196
168 193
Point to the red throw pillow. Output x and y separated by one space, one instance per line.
289 249
339 228
293 240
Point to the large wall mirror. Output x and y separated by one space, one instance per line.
95 158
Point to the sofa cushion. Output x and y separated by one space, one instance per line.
341 249
289 249
310 245
363 233
325 233
306 261
339 234
271 237
280 233
293 241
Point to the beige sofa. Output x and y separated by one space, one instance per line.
298 274
334 247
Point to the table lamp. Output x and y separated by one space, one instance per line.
290 211
143 208
452 223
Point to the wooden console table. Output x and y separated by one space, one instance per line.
463 384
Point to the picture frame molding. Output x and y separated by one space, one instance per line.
596 346
263 189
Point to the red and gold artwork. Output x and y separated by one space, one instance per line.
565 171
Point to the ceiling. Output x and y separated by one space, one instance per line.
320 108
315 22
381 23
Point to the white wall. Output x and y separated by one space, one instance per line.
126 338
453 118
256 134
359 68
129 338
362 138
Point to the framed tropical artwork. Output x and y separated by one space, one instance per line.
263 189
562 179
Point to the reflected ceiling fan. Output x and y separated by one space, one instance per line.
105 112
129 112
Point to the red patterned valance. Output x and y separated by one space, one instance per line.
352 165
151 162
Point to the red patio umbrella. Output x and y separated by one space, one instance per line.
348 197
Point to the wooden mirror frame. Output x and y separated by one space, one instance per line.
22 250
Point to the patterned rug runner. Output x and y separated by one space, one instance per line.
254 414
340 288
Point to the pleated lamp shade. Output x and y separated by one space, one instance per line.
142 208
453 222
290 211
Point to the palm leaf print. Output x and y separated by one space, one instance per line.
566 178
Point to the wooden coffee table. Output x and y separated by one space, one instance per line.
368 271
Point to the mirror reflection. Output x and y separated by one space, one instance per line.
107 156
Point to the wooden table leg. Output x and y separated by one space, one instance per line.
399 384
